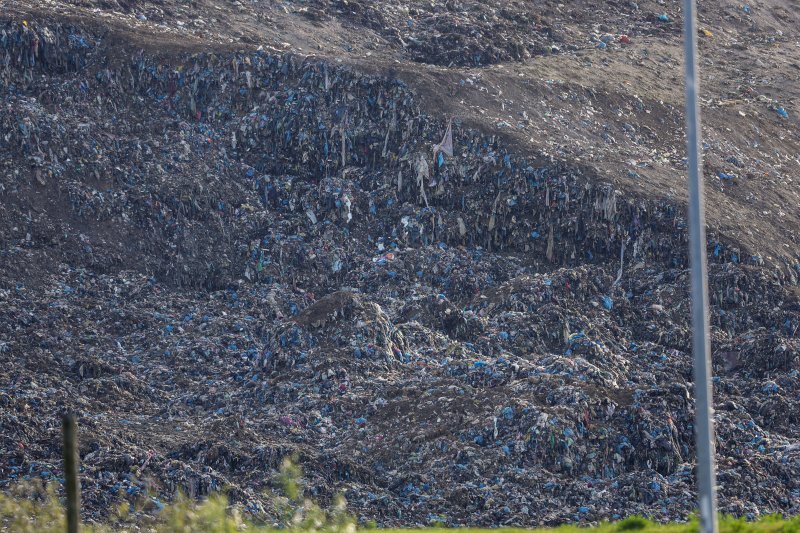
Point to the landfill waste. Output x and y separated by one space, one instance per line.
476 33
223 259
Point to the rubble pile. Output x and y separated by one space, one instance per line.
226 258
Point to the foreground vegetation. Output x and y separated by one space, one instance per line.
37 509
24 515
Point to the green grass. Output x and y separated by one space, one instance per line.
34 508
769 524
46 515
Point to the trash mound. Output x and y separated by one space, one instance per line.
472 33
220 260
464 33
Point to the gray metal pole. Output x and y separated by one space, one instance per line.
704 417
71 482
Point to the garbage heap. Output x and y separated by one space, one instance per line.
479 33
220 260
